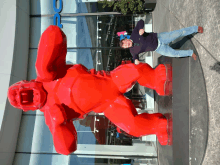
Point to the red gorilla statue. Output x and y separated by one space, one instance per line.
68 92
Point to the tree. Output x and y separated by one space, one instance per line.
124 6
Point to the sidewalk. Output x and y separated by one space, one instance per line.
175 14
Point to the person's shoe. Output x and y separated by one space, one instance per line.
200 29
194 56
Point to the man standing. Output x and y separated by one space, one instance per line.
140 41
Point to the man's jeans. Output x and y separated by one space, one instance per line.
166 37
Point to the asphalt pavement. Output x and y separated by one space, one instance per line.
203 75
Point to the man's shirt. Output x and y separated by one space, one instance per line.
142 43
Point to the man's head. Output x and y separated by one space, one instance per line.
27 95
126 43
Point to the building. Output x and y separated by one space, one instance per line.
24 137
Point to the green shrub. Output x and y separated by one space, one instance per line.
124 6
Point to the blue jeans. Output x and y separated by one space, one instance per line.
166 37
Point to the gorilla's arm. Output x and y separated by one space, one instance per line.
63 131
51 56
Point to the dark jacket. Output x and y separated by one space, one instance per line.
143 43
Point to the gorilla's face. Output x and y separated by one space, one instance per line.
27 95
